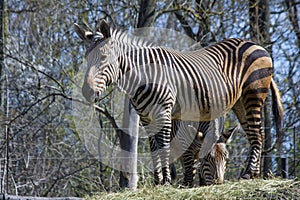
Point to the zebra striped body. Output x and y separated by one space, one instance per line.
164 84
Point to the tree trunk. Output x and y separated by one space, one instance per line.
101 169
293 17
146 13
259 17
3 107
129 143
204 28
267 159
1 50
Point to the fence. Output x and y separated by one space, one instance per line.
235 165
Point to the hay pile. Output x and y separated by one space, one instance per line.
242 189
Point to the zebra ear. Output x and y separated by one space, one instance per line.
104 29
227 135
84 34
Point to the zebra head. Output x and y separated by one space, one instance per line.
213 165
101 60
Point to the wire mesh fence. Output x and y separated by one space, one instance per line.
40 176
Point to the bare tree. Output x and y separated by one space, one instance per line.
146 13
129 140
293 17
1 48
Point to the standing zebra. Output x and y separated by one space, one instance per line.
164 84
204 142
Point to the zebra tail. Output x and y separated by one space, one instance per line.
277 110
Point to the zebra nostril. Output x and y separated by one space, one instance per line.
88 93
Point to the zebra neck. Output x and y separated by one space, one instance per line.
137 67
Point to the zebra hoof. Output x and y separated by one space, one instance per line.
184 184
246 176
249 175
167 182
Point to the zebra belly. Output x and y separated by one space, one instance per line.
197 114
198 106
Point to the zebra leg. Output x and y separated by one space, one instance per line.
254 133
160 151
164 145
173 172
250 120
190 157
157 173
189 168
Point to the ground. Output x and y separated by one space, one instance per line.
240 189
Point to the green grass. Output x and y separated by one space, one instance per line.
242 189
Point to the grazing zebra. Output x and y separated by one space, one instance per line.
204 141
164 84
212 166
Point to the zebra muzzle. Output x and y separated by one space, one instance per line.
88 93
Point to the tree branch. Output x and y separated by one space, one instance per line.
293 17
185 25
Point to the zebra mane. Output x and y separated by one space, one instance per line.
219 152
127 38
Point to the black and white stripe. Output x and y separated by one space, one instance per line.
200 85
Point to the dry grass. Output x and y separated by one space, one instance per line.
242 189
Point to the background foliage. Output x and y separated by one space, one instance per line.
41 153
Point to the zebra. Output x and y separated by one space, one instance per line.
204 142
165 84
212 167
